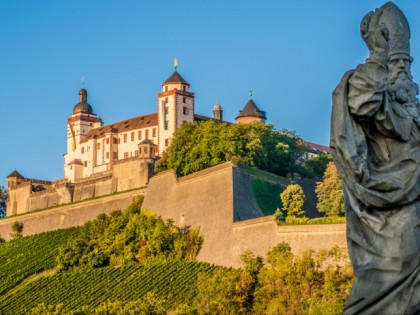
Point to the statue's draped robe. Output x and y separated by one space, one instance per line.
376 147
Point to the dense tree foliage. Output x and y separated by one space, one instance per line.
200 145
292 199
3 201
317 164
330 193
313 283
130 236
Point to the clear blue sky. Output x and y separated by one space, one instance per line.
291 54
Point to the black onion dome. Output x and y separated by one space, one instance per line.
82 106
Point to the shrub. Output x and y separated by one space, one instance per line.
17 228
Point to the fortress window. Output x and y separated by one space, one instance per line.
132 136
98 145
83 150
125 155
145 150
139 135
114 155
166 89
184 99
125 138
147 133
185 110
107 155
166 127
184 87
115 140
107 140
85 163
166 110
166 100
136 153
166 142
154 132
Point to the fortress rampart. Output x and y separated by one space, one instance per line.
74 214
30 195
223 200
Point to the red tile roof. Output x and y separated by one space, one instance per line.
138 122
317 148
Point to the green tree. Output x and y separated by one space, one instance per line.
317 164
3 201
293 199
200 145
330 193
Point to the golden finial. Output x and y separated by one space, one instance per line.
175 63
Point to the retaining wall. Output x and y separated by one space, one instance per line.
71 215
221 202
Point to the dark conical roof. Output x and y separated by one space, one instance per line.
15 174
176 78
251 109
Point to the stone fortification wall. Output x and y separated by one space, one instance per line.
67 216
19 199
202 199
262 234
133 172
215 199
50 198
94 186
127 174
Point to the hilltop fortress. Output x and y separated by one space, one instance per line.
106 167
106 159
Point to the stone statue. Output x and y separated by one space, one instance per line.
375 141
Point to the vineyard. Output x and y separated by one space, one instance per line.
176 282
28 256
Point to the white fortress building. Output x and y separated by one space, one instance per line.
93 147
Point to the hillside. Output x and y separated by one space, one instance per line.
133 262
173 282
145 257
28 256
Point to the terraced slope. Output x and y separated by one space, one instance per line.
176 282
27 256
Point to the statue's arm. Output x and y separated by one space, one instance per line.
367 87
